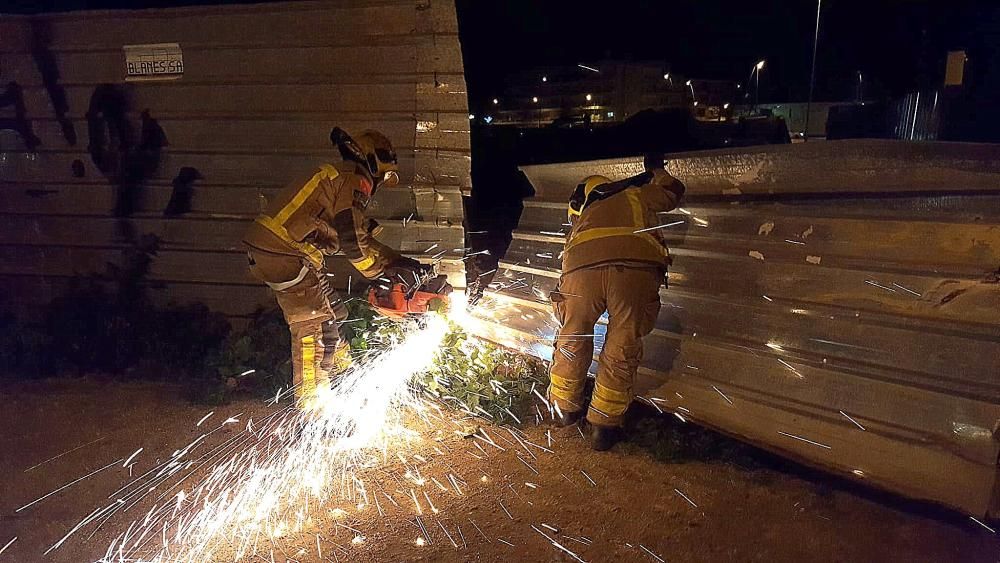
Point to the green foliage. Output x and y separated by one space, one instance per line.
24 349
179 339
366 329
671 441
257 359
484 378
468 373
108 323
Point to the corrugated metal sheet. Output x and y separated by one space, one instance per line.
261 89
834 302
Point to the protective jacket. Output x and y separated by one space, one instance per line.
620 229
614 261
288 243
315 219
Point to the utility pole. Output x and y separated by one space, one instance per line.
812 73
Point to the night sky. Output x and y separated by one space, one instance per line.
899 45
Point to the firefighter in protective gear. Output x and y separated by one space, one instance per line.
309 220
615 260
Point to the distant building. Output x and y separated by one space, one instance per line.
606 92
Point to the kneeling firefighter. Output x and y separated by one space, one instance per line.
615 260
310 220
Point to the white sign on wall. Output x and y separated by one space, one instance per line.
160 61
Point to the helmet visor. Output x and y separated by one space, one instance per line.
389 179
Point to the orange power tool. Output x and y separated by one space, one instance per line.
399 301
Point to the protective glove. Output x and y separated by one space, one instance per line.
652 161
475 292
407 271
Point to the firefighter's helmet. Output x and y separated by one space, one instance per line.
579 198
373 151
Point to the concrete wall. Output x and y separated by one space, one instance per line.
261 89
834 302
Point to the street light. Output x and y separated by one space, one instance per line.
812 73
534 99
589 97
755 72
693 96
545 79
495 101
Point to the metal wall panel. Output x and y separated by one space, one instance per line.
262 87
835 302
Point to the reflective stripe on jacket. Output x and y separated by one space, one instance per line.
317 218
618 229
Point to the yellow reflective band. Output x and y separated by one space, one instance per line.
606 394
638 223
604 232
564 399
607 408
565 383
326 172
342 360
308 384
314 255
364 264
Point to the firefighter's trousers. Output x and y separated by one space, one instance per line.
315 316
630 295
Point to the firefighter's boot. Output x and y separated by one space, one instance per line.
565 419
603 438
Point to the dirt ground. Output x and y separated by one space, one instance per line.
516 498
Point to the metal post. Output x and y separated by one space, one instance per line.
756 91
812 73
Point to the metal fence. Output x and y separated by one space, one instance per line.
834 302
261 87
916 116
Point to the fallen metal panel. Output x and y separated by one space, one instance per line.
834 302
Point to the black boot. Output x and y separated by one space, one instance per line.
603 438
567 419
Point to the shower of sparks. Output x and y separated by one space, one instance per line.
906 289
655 556
8 544
247 488
880 286
973 518
723 395
664 226
848 417
691 502
806 440
558 545
67 452
234 500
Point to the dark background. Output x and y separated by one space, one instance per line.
899 45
